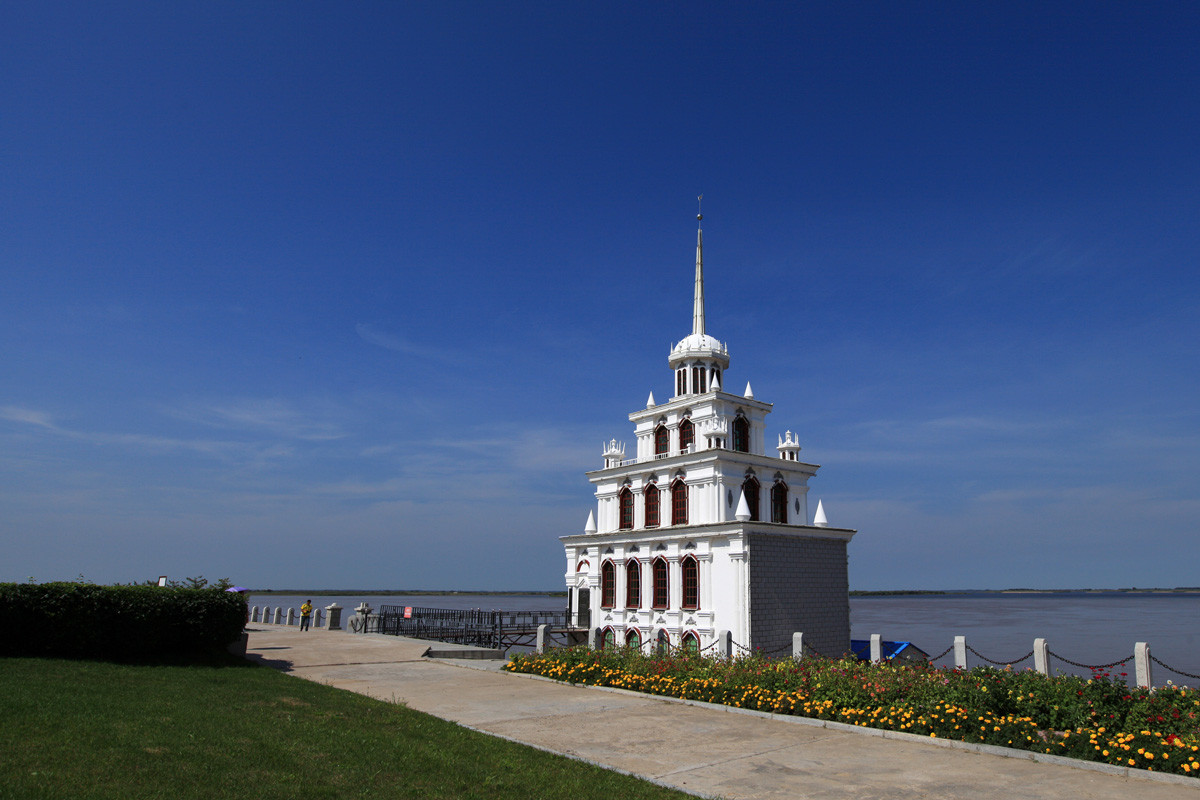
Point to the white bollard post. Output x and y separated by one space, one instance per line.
278 618
291 616
541 638
960 652
335 616
1041 656
876 648
724 646
1141 663
254 613
593 637
797 646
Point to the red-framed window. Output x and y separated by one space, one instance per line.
633 638
752 490
679 502
662 642
690 642
651 493
662 440
633 584
662 586
625 498
687 434
690 571
680 382
779 500
608 585
741 434
609 640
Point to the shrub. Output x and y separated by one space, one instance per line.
83 620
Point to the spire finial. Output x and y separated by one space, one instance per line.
698 304
699 213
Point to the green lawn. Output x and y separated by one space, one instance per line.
83 729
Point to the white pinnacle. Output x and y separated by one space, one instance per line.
819 520
716 382
650 403
743 509
749 392
591 524
698 302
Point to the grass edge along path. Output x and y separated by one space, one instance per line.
232 730
1063 716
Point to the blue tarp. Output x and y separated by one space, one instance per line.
905 651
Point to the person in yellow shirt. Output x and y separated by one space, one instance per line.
305 615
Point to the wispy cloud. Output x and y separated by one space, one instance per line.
212 447
276 417
390 341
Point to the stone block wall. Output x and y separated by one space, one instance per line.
798 584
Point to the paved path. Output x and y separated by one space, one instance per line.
701 749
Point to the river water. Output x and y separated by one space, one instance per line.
1086 627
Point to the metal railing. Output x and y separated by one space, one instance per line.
492 629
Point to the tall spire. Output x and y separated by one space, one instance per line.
698 305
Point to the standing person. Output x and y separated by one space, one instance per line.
305 615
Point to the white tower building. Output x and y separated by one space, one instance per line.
703 530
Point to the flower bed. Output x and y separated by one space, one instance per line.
1095 719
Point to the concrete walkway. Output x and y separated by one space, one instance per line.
706 750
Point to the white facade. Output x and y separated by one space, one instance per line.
702 504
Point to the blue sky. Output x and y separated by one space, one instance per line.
348 295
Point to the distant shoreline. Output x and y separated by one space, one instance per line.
853 592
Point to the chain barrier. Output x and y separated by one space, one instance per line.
1172 669
810 650
942 654
1125 660
1025 657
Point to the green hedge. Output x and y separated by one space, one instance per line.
82 620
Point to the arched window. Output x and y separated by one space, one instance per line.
661 586
608 585
679 502
633 584
779 500
662 642
609 640
687 435
626 500
691 582
651 493
662 440
751 489
690 643
680 382
633 638
741 434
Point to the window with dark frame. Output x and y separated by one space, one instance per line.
661 585
779 500
679 503
690 570
608 584
651 492
662 440
633 584
625 498
741 434
752 490
687 435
